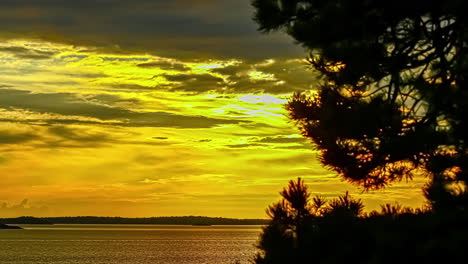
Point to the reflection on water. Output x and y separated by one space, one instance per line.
128 244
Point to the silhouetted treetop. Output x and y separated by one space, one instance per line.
341 233
393 99
300 228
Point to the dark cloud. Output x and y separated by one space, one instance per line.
136 87
197 83
76 137
279 77
107 58
71 105
180 28
296 73
243 84
288 76
16 137
87 75
24 53
299 159
62 136
79 135
110 99
74 56
191 77
164 65
294 147
276 142
248 145
59 83
282 140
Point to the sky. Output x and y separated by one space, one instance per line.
154 108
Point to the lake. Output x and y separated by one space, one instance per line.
128 244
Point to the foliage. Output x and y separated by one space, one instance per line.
346 206
393 99
299 225
338 232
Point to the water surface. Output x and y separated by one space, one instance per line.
128 244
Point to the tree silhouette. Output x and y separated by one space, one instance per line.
393 99
345 206
301 229
304 230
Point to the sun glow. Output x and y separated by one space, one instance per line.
85 129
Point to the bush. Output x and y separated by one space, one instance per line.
304 230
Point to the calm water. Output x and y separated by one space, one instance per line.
128 244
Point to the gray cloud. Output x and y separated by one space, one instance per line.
79 135
286 76
59 135
136 87
276 142
86 75
15 137
294 147
191 77
110 99
247 145
70 105
63 136
296 73
243 84
302 158
281 139
180 28
289 76
164 65
24 53
73 137
195 82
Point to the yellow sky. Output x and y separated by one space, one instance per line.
86 131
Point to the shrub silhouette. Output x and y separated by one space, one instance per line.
346 206
300 226
338 231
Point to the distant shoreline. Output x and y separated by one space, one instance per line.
3 226
172 220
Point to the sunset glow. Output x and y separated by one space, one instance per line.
108 117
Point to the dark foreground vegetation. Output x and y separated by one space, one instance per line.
176 220
316 231
391 103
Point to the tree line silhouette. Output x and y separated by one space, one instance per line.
168 220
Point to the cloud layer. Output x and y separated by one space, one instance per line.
220 28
